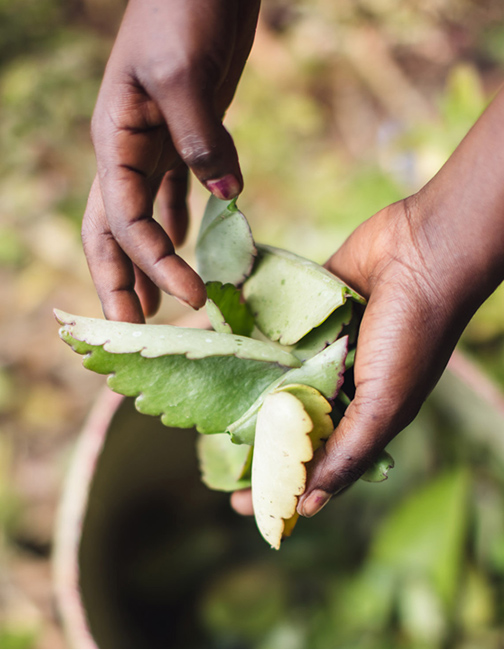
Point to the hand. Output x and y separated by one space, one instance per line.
172 74
425 264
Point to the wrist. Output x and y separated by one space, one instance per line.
460 239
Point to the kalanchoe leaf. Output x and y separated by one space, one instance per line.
225 249
174 371
289 295
158 340
292 422
224 466
282 447
234 312
216 318
319 411
318 408
325 334
379 470
324 372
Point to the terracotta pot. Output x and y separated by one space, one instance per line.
138 533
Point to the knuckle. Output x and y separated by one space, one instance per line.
196 153
173 72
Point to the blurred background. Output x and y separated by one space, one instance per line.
344 107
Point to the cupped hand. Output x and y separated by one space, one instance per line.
171 75
406 336
421 293
416 311
425 264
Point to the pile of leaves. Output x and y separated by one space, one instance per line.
267 383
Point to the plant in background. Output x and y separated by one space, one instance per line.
268 383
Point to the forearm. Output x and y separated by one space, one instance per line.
462 209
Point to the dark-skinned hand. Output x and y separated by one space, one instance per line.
425 264
171 75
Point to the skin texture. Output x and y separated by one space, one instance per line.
171 75
425 264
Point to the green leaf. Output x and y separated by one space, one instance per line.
158 340
188 377
379 470
289 295
324 372
225 249
323 335
226 306
223 464
216 318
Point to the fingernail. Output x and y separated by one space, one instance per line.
314 503
224 188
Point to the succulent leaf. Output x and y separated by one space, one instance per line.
188 377
289 295
225 249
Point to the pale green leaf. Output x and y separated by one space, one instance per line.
289 295
325 334
158 340
223 464
323 372
225 249
233 311
216 318
171 370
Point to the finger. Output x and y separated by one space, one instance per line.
110 268
172 204
188 105
128 201
147 292
241 501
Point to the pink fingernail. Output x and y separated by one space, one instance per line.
314 503
224 188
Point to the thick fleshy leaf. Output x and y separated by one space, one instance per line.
225 306
282 447
158 340
318 408
216 318
223 464
288 431
289 295
379 470
324 372
225 249
171 371
325 334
